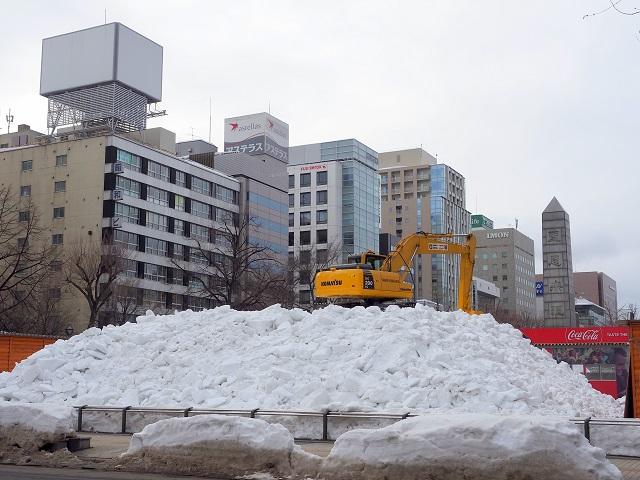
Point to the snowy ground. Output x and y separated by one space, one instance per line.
412 359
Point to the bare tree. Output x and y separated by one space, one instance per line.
92 269
306 263
123 304
25 254
232 270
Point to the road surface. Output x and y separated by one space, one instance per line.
43 473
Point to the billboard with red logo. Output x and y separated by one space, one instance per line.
600 353
257 134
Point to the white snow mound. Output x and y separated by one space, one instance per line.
410 359
491 447
30 426
217 445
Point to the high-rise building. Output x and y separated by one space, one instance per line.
334 199
559 292
418 194
505 257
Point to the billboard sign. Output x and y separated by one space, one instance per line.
101 55
539 289
257 134
577 335
480 221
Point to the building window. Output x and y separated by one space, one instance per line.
127 240
127 213
305 179
58 212
305 199
504 266
305 238
223 216
25 191
291 237
181 179
61 160
157 221
129 187
157 273
23 242
155 195
200 209
198 304
291 220
321 217
155 246
60 186
321 236
505 278
321 178
27 165
179 205
292 202
129 160
178 277
57 239
226 195
178 227
196 256
305 218
321 197
154 299
292 181
178 251
485 268
130 268
24 216
158 171
200 233
201 186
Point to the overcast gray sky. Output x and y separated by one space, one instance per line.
526 99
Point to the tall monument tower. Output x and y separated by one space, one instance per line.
559 293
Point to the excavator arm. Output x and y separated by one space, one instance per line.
400 260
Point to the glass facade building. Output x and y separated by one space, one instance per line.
448 215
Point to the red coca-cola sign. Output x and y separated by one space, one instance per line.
550 336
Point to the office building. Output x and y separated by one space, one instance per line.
101 175
484 295
419 194
600 289
334 199
559 292
23 136
505 257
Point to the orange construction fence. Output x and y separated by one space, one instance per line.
15 348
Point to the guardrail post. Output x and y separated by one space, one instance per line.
186 411
587 428
325 425
253 413
124 419
82 407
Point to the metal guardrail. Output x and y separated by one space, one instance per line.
324 415
191 411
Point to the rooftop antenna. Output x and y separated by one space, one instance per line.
191 132
105 16
516 223
209 119
269 106
9 118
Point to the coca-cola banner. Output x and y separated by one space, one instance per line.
550 336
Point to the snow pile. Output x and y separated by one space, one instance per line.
490 447
216 445
31 426
411 359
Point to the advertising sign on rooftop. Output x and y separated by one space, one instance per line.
482 222
257 134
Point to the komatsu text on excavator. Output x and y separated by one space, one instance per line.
374 279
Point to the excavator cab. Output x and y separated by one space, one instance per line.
374 260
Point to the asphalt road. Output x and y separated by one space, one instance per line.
14 472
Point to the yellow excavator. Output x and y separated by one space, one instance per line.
374 279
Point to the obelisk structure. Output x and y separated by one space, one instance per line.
559 293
